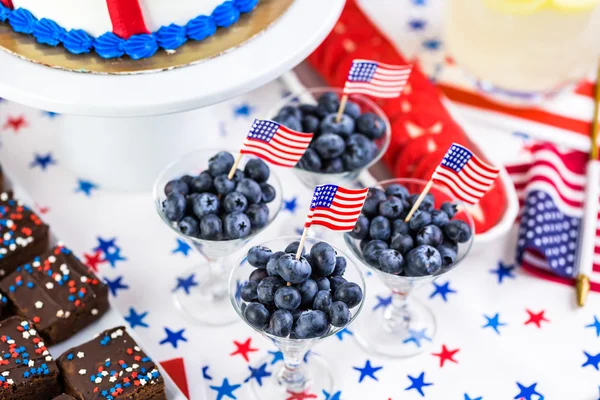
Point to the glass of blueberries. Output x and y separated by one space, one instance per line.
296 304
406 257
217 217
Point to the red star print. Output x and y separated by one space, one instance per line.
243 349
15 123
92 260
42 210
446 355
301 396
536 318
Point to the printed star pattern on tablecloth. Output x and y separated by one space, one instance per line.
504 271
527 392
186 283
173 337
592 360
382 302
442 290
417 24
367 371
50 114
205 373
243 349
15 123
472 398
418 383
93 260
332 396
116 285
596 325
114 256
136 319
106 246
536 318
41 209
238 289
345 331
277 356
258 374
85 187
42 161
416 336
226 389
494 322
243 110
432 44
301 396
290 205
182 247
419 2
446 355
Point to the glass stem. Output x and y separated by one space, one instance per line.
291 374
217 278
397 316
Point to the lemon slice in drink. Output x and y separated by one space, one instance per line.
520 7
574 5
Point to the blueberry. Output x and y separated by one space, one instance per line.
310 124
430 235
223 185
237 225
334 166
204 204
289 121
259 256
258 215
451 244
426 204
308 109
395 189
363 244
323 283
329 145
211 227
174 206
380 228
322 301
349 293
310 161
458 231
344 128
399 227
335 282
296 313
268 192
330 98
292 248
340 266
249 292
272 263
374 197
290 111
339 314
238 175
257 275
308 289
250 189
287 298
235 201
322 257
372 251
257 315
402 243
423 260
220 163
361 228
187 179
292 270
391 261
177 186
281 323
325 109
311 324
267 288
371 125
189 226
419 220
449 209
359 152
202 183
257 170
352 109
439 218
448 255
391 207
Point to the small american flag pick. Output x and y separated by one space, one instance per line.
275 143
465 175
335 207
377 79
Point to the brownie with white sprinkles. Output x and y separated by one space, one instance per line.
58 293
27 370
111 366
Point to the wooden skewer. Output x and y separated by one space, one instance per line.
340 113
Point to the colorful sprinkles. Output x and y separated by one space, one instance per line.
17 226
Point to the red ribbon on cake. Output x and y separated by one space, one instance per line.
126 17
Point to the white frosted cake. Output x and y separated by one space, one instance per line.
114 28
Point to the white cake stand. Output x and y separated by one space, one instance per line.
120 130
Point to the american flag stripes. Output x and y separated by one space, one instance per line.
377 79
465 175
275 143
335 207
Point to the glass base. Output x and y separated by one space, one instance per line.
318 376
377 335
517 98
207 302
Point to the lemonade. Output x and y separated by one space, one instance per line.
523 50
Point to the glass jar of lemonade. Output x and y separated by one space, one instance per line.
523 51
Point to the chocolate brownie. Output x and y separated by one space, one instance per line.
64 397
23 235
57 293
111 366
5 309
27 370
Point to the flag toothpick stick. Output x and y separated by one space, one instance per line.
415 207
340 112
235 165
301 245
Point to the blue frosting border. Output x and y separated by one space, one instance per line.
137 47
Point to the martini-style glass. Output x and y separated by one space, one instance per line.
205 301
407 325
300 371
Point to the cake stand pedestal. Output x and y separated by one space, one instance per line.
119 131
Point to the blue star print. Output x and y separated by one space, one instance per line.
290 205
116 285
186 283
417 336
51 114
136 319
367 370
277 356
592 360
473 398
332 396
418 383
205 374
182 247
419 2
106 245
243 110
238 289
85 187
595 324
432 44
42 161
258 374
173 337
416 24
503 271
114 256
383 302
493 322
345 331
442 290
526 393
225 390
